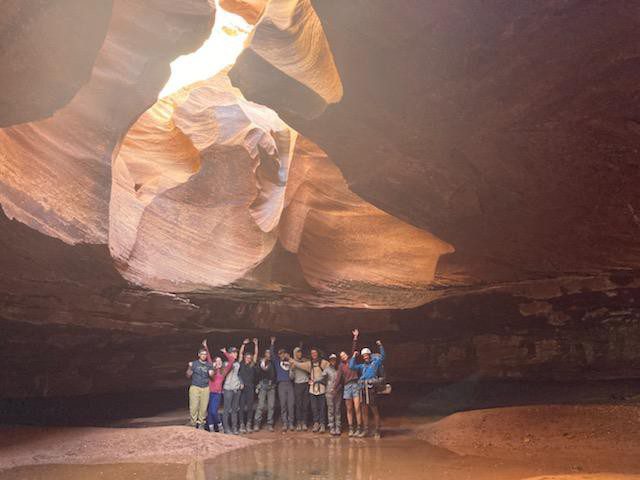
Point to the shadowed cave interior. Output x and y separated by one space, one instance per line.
456 178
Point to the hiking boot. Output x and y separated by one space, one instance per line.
284 428
291 427
304 427
212 428
235 431
361 433
299 427
352 432
219 428
270 428
249 428
376 434
243 429
315 428
256 428
322 428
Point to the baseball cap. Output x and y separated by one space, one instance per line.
365 351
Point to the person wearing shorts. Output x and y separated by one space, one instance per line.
368 371
347 379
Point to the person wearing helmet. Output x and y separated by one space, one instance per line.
368 371
347 381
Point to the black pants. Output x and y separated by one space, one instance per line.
301 392
246 404
319 408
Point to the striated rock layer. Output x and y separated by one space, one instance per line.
55 173
48 52
507 128
206 183
86 329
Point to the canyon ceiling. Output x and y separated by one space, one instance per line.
459 177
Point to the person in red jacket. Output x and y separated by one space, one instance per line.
215 388
348 379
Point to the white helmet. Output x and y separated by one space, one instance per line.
365 351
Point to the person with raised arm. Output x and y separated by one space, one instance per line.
199 372
300 388
316 387
266 389
347 381
369 377
248 375
285 387
215 388
231 393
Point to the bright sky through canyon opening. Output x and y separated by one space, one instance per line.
219 51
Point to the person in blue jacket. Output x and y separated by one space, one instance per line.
369 379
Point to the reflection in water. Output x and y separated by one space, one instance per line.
326 458
321 459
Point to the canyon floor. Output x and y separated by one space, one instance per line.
587 432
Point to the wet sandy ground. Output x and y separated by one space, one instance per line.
185 454
321 459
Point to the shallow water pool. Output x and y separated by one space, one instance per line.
322 458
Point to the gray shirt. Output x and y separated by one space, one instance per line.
200 377
298 374
331 374
233 382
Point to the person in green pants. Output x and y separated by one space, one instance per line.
199 371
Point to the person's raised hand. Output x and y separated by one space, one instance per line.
190 364
273 339
379 343
355 332
223 349
245 341
204 343
355 354
255 340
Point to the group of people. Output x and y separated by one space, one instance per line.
303 385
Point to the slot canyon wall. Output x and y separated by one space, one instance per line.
469 173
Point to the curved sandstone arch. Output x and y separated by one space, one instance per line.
206 183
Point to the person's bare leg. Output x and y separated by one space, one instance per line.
349 404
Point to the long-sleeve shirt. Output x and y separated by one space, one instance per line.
331 376
314 371
215 384
345 374
368 370
282 368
